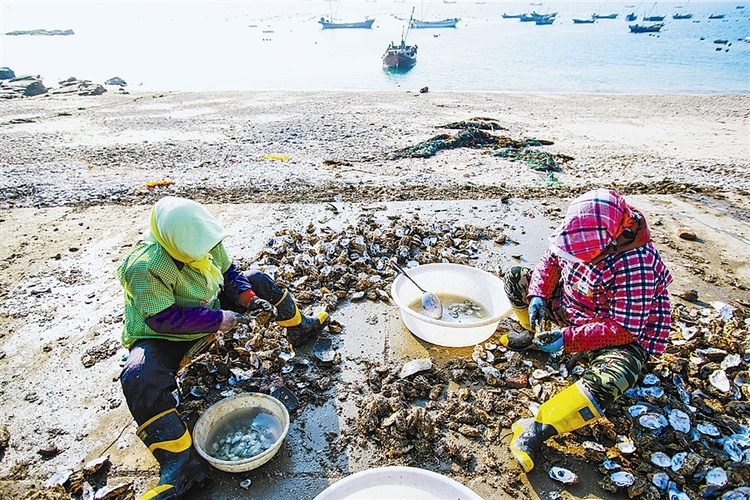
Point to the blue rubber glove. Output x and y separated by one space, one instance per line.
551 342
536 311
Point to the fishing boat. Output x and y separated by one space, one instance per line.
583 21
653 18
511 16
631 17
608 16
544 20
401 56
646 28
445 23
330 24
717 16
677 15
535 16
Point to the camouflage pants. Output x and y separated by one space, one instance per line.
611 371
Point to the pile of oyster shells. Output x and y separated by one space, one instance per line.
683 432
320 267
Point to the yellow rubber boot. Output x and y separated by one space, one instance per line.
568 410
299 327
169 441
523 318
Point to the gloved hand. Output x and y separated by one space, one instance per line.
536 311
551 342
262 310
228 321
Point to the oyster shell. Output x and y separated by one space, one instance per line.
719 380
622 478
563 475
415 366
716 477
661 459
679 420
653 420
660 480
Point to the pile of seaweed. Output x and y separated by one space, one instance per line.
478 133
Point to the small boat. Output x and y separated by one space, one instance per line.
717 16
682 16
631 17
445 23
512 16
646 28
583 21
608 16
329 24
401 56
654 18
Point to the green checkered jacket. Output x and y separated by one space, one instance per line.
153 282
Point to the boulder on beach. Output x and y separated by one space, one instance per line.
116 80
73 85
27 85
6 73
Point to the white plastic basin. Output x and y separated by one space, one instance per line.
220 412
397 483
455 279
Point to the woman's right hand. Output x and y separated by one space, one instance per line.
536 311
228 321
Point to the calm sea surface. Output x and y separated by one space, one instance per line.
201 46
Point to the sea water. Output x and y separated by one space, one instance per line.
456 308
251 45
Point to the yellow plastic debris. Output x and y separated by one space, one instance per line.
276 157
153 184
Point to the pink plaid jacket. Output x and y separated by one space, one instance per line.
602 295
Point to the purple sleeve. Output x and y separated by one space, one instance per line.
235 282
175 319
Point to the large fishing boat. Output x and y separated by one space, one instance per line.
401 56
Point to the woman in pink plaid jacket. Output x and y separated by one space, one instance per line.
603 282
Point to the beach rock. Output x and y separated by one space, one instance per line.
23 86
115 81
6 73
687 234
73 85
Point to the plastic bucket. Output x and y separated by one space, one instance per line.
397 483
222 412
455 279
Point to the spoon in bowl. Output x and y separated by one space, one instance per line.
430 302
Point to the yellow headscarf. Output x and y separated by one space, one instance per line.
187 232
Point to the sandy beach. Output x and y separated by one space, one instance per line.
80 174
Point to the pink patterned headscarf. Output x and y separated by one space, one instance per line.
599 223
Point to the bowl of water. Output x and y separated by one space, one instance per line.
241 432
474 302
